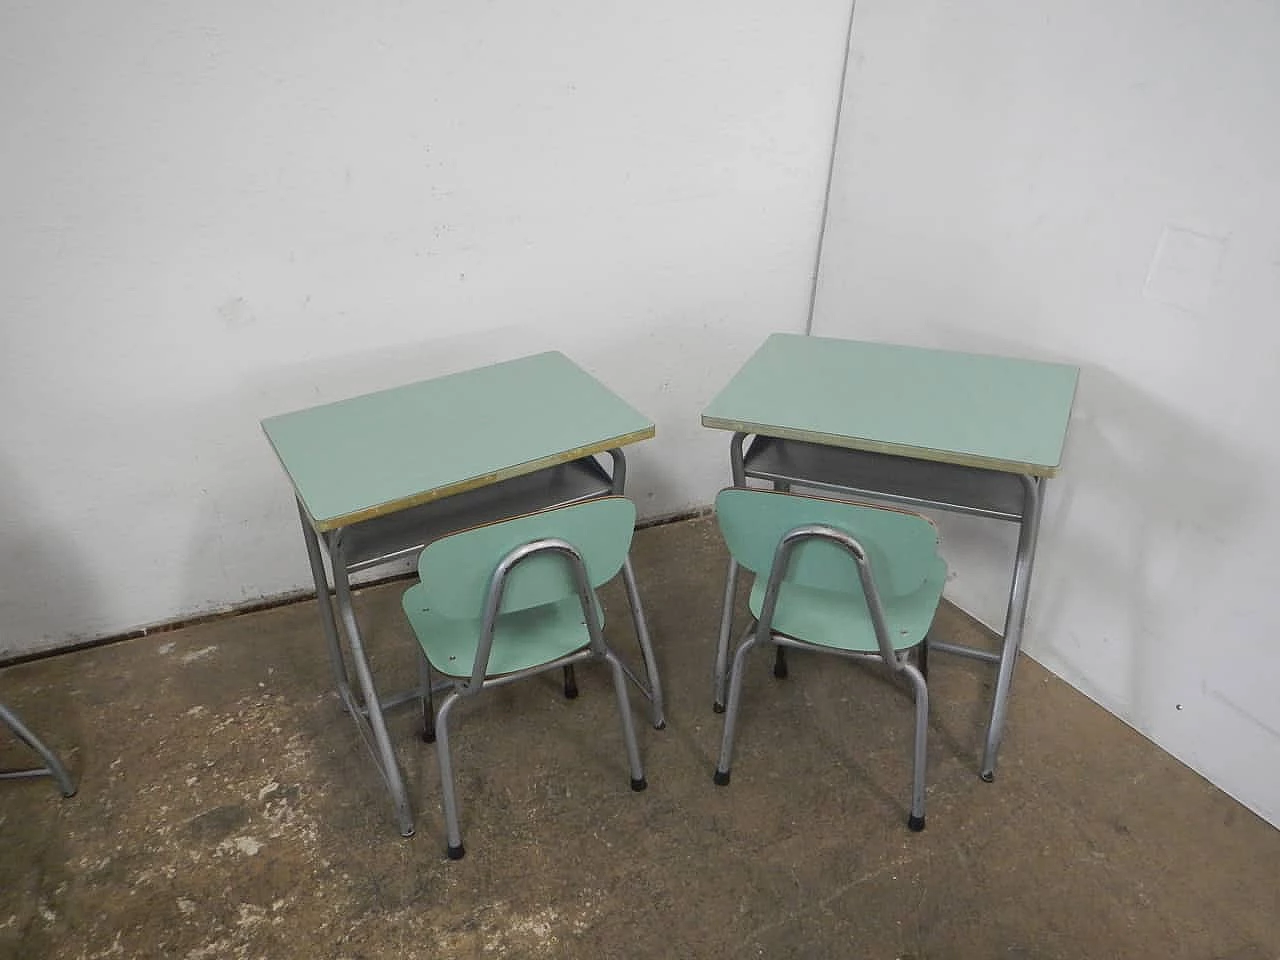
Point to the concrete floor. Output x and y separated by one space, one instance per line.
227 809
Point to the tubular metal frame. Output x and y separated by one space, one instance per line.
993 494
52 765
478 680
895 660
358 698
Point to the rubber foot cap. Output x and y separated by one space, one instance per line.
638 785
915 824
721 778
780 671
718 707
988 776
660 726
458 852
571 693
428 736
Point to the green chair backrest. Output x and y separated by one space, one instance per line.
456 570
901 546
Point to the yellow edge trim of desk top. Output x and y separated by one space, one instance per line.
475 483
880 446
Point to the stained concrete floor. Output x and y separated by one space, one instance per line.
227 809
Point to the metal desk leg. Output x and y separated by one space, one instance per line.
1028 533
370 722
52 765
654 691
720 681
321 581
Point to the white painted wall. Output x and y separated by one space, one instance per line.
1098 182
216 212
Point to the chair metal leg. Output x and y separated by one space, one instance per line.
428 707
628 727
921 690
570 683
658 716
780 662
52 765
448 798
731 714
722 643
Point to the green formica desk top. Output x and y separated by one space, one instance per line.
375 454
996 413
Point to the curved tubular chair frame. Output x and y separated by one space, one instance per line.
478 680
895 660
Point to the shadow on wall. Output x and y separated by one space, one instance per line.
45 592
47 596
1137 530
1146 509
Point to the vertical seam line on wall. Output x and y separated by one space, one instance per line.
831 169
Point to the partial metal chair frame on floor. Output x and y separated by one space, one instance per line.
496 604
891 655
52 765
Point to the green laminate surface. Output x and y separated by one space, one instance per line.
374 454
995 412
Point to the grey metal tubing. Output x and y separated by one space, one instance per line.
497 587
959 650
819 531
920 688
628 727
618 474
52 765
749 641
321 581
737 472
383 754
652 689
1028 534
478 681
657 711
444 758
722 642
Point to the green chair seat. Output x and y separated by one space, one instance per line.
832 618
522 639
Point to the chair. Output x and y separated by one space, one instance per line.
855 580
508 600
53 766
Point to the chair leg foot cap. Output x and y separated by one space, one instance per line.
718 707
660 725
915 824
988 776
428 736
638 785
721 778
457 853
